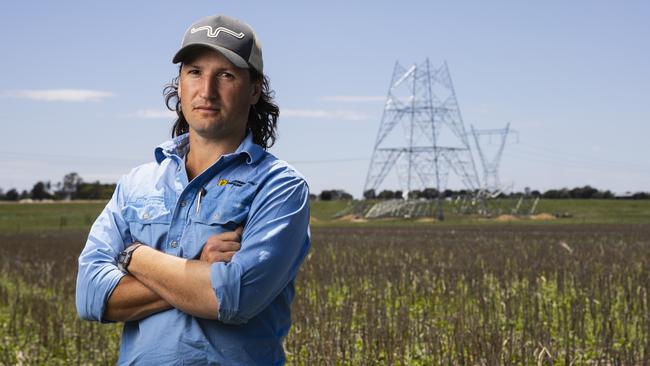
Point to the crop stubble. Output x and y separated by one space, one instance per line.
488 294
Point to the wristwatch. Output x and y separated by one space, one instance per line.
124 258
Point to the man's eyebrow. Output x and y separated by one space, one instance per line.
220 68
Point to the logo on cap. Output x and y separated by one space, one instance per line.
214 33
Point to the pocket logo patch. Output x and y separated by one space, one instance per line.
234 182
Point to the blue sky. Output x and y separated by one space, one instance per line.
82 83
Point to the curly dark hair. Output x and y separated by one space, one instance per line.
262 117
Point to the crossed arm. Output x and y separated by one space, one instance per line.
159 281
276 242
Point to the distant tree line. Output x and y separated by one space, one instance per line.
586 192
72 187
334 195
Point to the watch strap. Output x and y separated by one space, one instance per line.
124 259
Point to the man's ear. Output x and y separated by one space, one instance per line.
178 85
257 91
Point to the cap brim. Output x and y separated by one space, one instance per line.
182 54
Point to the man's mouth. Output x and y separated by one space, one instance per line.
207 108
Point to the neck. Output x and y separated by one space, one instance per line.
205 152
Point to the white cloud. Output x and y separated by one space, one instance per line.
153 114
322 114
59 95
353 98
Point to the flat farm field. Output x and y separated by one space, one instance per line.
405 293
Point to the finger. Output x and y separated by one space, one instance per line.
228 236
227 256
232 246
222 246
238 232
220 257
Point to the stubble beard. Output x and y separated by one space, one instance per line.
218 130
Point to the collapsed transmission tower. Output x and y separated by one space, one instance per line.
433 143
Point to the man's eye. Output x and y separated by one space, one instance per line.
226 75
193 72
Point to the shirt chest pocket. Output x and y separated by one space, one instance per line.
216 215
148 220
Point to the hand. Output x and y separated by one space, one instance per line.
221 247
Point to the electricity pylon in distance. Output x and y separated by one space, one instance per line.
491 184
433 141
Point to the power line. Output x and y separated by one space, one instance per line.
326 161
520 155
42 157
577 157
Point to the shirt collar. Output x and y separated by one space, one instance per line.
179 146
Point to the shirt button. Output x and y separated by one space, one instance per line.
145 215
183 203
174 244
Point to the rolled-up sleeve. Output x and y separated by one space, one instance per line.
98 274
275 241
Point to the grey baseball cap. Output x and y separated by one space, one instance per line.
234 39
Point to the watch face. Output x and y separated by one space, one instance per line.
121 259
124 258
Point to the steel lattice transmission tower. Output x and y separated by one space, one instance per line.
490 163
433 141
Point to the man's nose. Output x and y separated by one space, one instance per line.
209 88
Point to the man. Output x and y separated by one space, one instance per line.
197 252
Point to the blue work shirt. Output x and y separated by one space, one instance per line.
156 205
